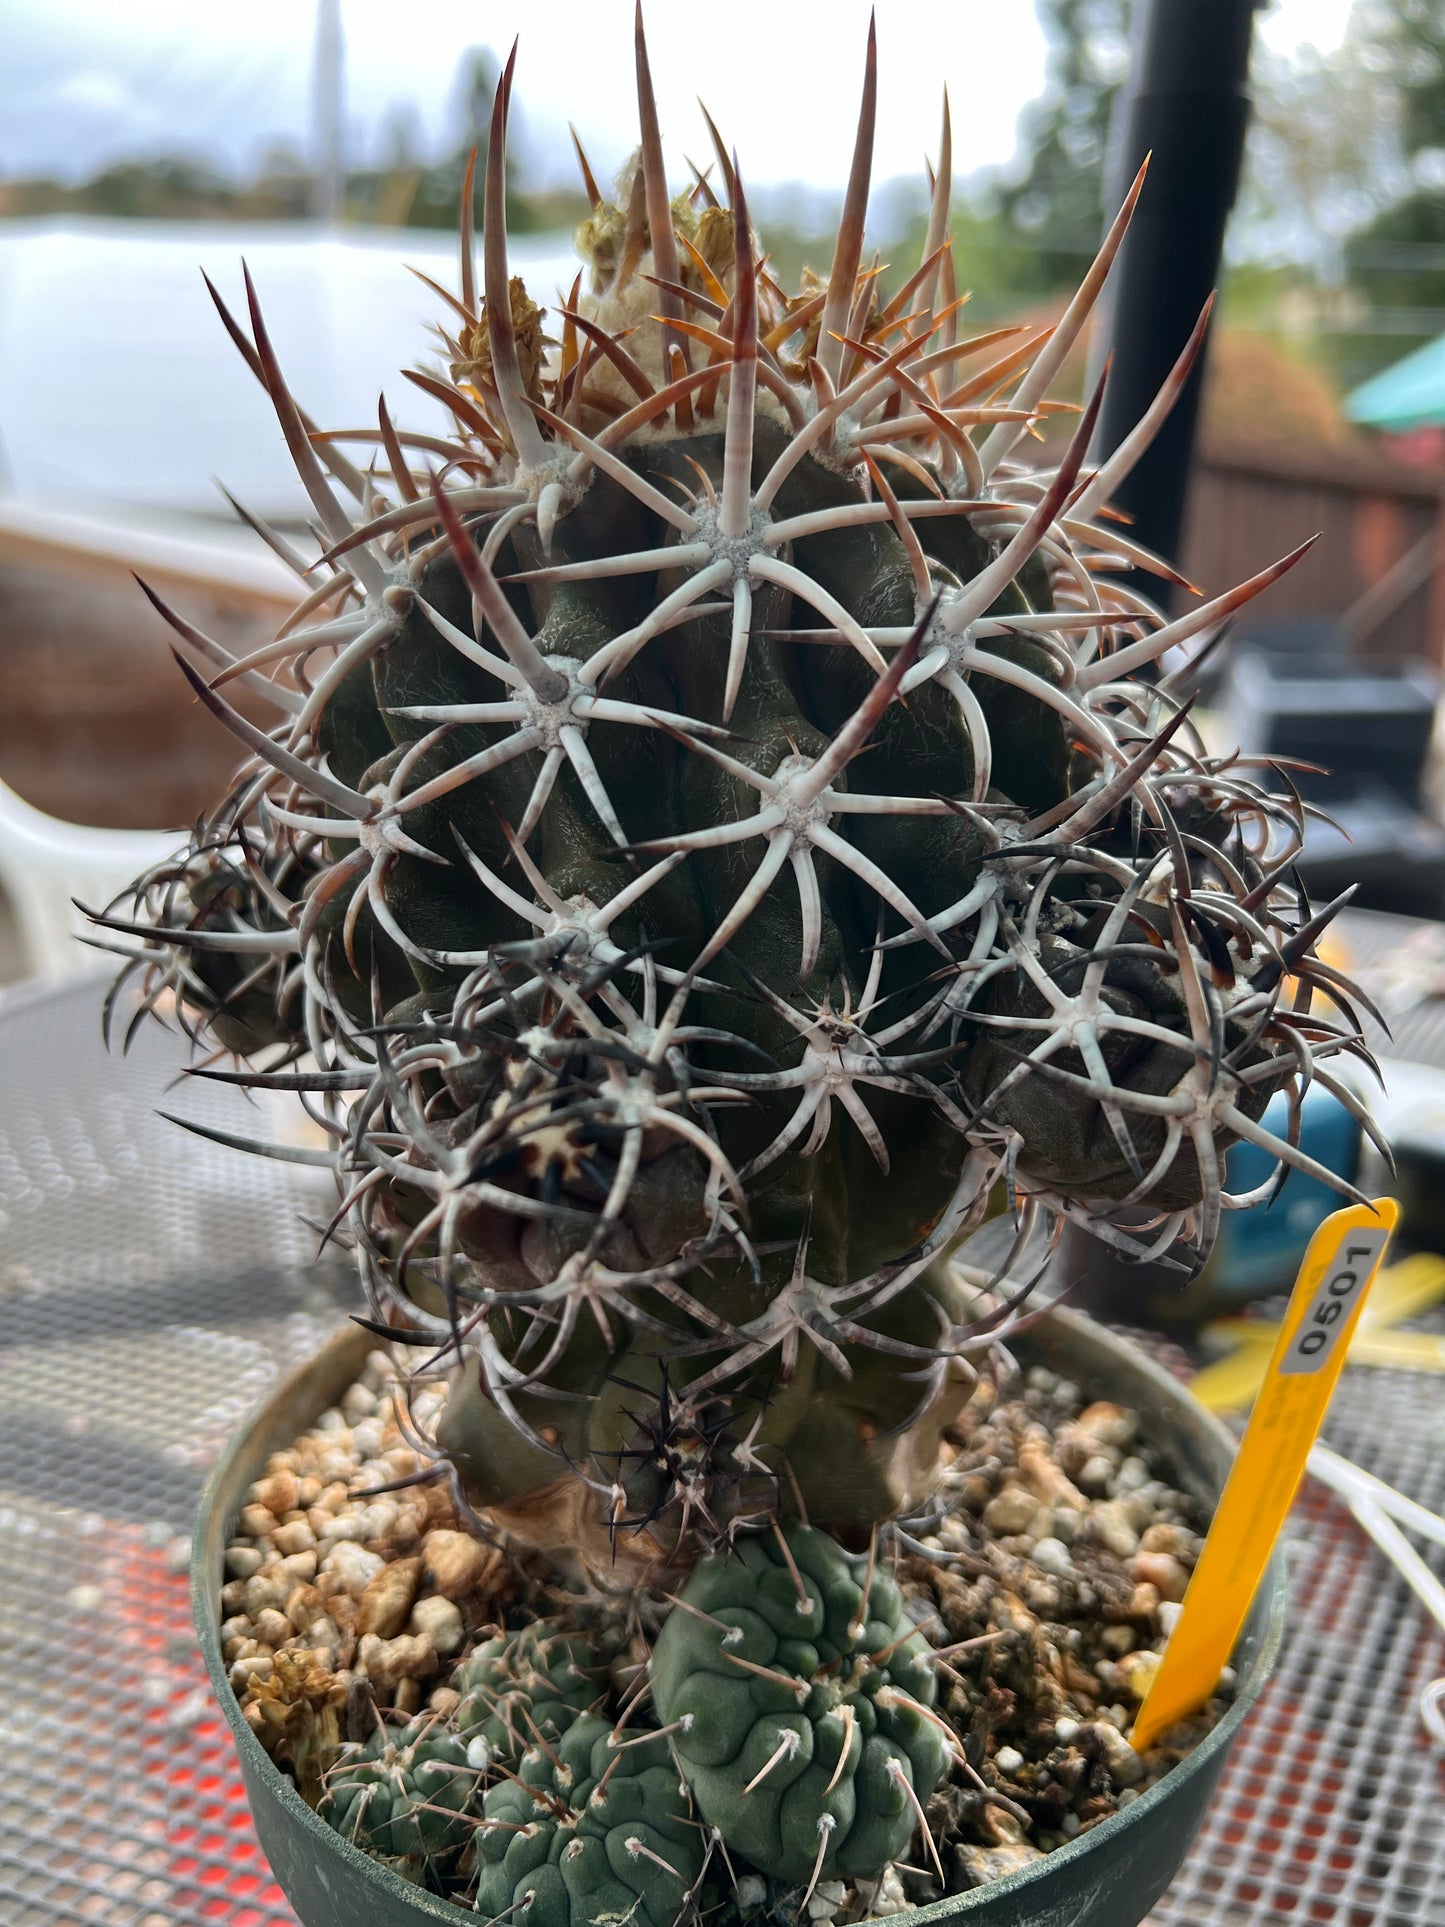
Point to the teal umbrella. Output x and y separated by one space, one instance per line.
1408 394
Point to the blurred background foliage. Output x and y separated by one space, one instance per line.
1336 255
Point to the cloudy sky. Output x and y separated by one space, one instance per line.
84 82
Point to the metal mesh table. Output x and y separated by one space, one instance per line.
151 1284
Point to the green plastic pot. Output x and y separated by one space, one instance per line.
1109 1877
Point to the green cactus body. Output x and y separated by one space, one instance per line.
403 1794
807 1732
522 1690
713 846
589 1831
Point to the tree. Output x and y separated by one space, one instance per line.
1396 260
1411 36
1052 209
1323 155
434 203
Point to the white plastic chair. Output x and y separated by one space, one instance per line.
44 863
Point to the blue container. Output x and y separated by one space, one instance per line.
1259 1250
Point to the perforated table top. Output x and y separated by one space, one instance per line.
151 1286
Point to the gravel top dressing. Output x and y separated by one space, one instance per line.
372 1642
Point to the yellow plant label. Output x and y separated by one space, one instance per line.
1338 1269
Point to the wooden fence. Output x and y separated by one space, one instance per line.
1381 549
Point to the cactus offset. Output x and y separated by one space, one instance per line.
522 1690
589 1830
804 1695
404 1795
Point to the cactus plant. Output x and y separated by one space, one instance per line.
403 1794
720 837
804 1697
521 1690
592 1829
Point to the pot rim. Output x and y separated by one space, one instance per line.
1271 1597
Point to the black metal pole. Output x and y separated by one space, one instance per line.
1187 103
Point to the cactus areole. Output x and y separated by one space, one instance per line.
708 844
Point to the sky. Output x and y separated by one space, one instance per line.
85 82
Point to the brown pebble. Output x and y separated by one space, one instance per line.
455 1562
360 1718
1108 1745
386 1604
979 1865
274 1628
303 1604
295 1537
1108 1423
1004 1829
438 1505
1044 1476
1010 1511
1166 1538
406 1696
308 1492
322 1635
1160 1570
1010 1614
278 1493
974 1492
342 1608
1080 1682
258 1521
410 1656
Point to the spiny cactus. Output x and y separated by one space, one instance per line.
803 1696
716 845
592 1829
521 1690
403 1794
